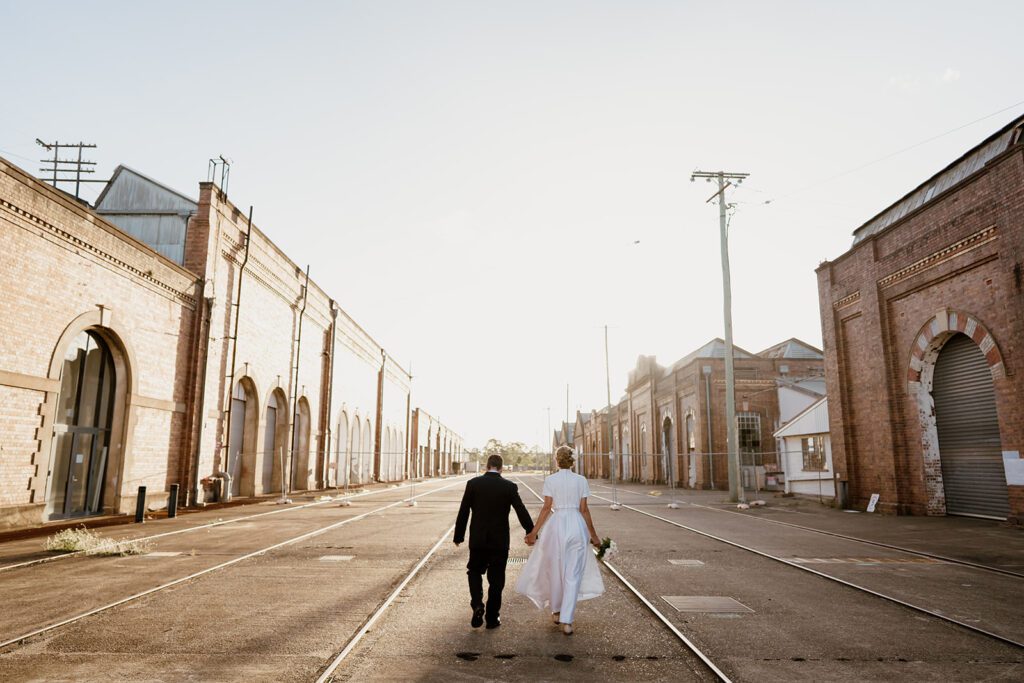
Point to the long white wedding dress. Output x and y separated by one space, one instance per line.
562 569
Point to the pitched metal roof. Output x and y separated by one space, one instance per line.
713 349
968 164
794 349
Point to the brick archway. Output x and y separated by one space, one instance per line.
920 375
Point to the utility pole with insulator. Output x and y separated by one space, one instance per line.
725 180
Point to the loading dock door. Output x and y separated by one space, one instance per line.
968 430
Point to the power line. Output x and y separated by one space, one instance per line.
890 155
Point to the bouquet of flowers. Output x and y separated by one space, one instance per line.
606 549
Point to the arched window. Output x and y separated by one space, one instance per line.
83 423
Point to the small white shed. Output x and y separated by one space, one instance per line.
807 452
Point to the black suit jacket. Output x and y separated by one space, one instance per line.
489 498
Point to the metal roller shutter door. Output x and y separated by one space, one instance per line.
968 429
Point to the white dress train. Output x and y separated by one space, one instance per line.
562 569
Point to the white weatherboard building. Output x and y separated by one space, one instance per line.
806 452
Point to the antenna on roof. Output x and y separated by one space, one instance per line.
225 171
57 166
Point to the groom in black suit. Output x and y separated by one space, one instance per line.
489 497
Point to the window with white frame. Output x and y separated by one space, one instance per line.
748 427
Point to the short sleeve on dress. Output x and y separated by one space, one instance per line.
585 488
548 487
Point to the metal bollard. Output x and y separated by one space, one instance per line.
140 505
172 502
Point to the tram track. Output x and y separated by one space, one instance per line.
22 638
689 644
879 544
218 523
889 598
328 672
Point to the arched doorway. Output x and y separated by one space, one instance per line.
627 457
340 473
300 450
275 437
241 455
668 447
82 428
355 454
967 429
691 452
645 453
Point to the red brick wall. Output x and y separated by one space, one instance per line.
962 252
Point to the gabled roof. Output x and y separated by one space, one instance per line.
813 420
713 349
967 165
793 348
130 190
801 385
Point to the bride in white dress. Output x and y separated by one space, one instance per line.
562 569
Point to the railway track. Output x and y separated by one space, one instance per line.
878 544
829 577
687 643
22 638
218 523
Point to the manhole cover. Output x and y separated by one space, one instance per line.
336 558
705 603
687 563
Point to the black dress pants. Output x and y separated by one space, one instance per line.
492 561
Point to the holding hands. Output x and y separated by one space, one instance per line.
531 538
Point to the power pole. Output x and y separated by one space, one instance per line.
725 180
612 467
58 166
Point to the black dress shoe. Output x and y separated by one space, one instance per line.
494 624
478 618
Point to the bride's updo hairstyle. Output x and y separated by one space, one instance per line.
564 458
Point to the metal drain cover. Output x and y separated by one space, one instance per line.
710 604
687 563
336 558
516 560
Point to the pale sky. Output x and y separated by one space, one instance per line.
470 179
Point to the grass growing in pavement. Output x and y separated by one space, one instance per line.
83 540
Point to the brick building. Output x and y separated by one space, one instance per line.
922 323
671 420
435 449
150 342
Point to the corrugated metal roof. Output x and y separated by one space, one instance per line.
967 165
793 349
713 349
148 211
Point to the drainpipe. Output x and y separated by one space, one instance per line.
234 353
326 450
295 393
711 450
197 429
184 462
408 433
378 428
